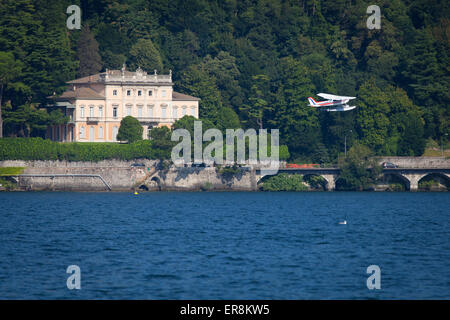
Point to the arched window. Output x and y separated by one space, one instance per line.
164 110
100 111
82 132
91 111
175 112
150 110
193 111
184 111
100 132
91 134
115 131
82 111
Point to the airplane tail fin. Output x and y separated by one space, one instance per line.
312 102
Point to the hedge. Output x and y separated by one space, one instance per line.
40 149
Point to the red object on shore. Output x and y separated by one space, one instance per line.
302 166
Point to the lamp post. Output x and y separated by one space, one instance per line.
345 144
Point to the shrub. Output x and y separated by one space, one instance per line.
428 184
284 182
207 186
229 172
396 187
130 130
40 149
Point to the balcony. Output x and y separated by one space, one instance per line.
155 120
93 119
148 78
65 104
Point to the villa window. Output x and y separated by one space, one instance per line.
128 92
82 132
100 132
150 111
150 93
82 112
139 92
163 93
91 134
114 92
163 112
115 112
115 131
100 111
184 111
193 111
91 111
175 112
139 111
128 110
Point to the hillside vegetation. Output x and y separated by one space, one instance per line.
252 62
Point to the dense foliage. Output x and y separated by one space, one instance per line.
130 130
359 171
40 149
284 182
253 63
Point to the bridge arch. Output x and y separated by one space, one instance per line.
328 183
156 181
393 177
439 178
316 181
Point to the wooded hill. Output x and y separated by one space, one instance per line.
252 62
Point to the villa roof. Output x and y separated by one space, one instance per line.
80 93
96 77
119 75
87 79
176 96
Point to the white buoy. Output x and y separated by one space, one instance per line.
343 222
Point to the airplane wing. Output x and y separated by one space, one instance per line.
333 97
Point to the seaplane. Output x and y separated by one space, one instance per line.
333 103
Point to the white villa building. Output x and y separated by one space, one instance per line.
96 104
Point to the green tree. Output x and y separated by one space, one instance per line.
228 119
9 69
145 55
130 130
161 142
298 123
259 103
196 81
224 70
412 141
27 120
372 121
359 170
87 53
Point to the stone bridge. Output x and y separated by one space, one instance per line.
410 176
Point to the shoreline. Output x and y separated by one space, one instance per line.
144 175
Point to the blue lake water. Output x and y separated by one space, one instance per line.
231 245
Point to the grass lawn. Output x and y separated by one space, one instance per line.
11 171
434 152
